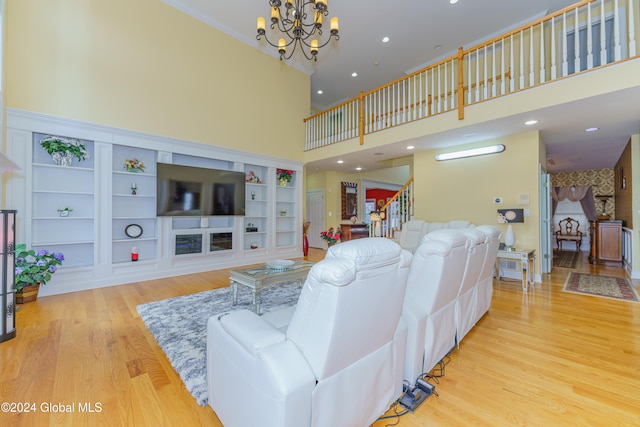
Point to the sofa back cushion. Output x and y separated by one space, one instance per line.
350 304
436 270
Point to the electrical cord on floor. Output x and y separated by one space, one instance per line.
396 414
432 377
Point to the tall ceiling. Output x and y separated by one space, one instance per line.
423 32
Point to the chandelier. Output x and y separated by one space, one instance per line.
301 22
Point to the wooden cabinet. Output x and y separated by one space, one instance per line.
353 231
606 242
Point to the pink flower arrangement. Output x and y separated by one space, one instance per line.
331 235
251 177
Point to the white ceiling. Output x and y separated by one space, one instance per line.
422 32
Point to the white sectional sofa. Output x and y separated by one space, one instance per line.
371 317
449 288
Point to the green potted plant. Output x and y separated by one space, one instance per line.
33 268
63 150
65 211
284 176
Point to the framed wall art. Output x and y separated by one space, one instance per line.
349 200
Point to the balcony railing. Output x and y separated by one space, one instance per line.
579 38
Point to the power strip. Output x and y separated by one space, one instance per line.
414 396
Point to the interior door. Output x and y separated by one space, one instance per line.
315 214
546 250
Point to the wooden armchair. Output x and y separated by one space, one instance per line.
569 229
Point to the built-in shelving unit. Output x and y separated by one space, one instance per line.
256 220
285 213
133 203
106 219
57 187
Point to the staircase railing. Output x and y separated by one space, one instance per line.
576 39
397 211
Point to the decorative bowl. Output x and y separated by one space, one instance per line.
280 264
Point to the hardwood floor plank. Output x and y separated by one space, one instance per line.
541 358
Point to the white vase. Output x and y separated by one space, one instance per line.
509 236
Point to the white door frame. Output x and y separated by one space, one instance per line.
546 251
315 214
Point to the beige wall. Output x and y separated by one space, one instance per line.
465 188
145 66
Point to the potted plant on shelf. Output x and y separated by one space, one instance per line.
33 268
331 236
65 211
284 176
63 150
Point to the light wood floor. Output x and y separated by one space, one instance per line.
546 358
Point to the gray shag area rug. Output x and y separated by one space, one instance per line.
179 325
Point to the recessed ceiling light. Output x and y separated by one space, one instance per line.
340 162
469 135
410 147
591 129
453 1
354 74
358 168
437 47
378 154
385 40
531 122
320 92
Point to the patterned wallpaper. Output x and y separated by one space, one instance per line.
601 180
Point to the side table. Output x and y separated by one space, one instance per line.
259 277
526 257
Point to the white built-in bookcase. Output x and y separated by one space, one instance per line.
94 237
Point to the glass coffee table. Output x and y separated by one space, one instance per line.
259 277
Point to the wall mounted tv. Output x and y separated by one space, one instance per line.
194 191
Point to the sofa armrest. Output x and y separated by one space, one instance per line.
250 331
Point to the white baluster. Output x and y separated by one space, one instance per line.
485 94
632 29
576 43
478 81
589 39
512 80
616 32
532 79
494 83
470 80
565 56
553 49
603 35
521 71
543 75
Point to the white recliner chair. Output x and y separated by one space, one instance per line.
429 309
485 284
412 233
467 299
340 360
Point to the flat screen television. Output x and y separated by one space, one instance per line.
194 191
